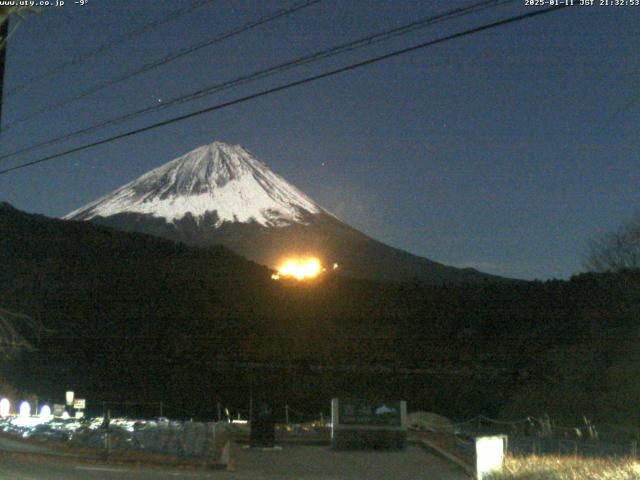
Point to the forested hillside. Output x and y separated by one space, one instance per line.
130 316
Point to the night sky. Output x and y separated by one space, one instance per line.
506 151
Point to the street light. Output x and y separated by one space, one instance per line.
45 412
25 409
5 407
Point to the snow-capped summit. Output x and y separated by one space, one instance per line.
221 178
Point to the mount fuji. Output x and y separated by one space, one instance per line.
222 194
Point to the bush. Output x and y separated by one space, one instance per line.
567 468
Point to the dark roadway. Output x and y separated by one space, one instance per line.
291 462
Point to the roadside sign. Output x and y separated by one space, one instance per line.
58 409
368 413
79 403
489 455
359 423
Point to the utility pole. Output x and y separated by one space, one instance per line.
5 13
250 398
4 32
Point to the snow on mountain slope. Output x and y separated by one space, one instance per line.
217 177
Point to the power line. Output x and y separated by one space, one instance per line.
286 86
279 68
171 16
162 61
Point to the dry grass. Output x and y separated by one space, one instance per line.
567 468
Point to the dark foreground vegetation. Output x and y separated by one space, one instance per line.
132 317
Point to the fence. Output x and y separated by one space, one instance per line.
557 446
179 439
541 437
297 417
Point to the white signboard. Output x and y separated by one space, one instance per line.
489 455
79 403
58 409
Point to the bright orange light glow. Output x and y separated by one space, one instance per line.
299 268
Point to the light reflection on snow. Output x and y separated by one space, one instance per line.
27 426
27 422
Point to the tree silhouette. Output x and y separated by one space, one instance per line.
618 250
